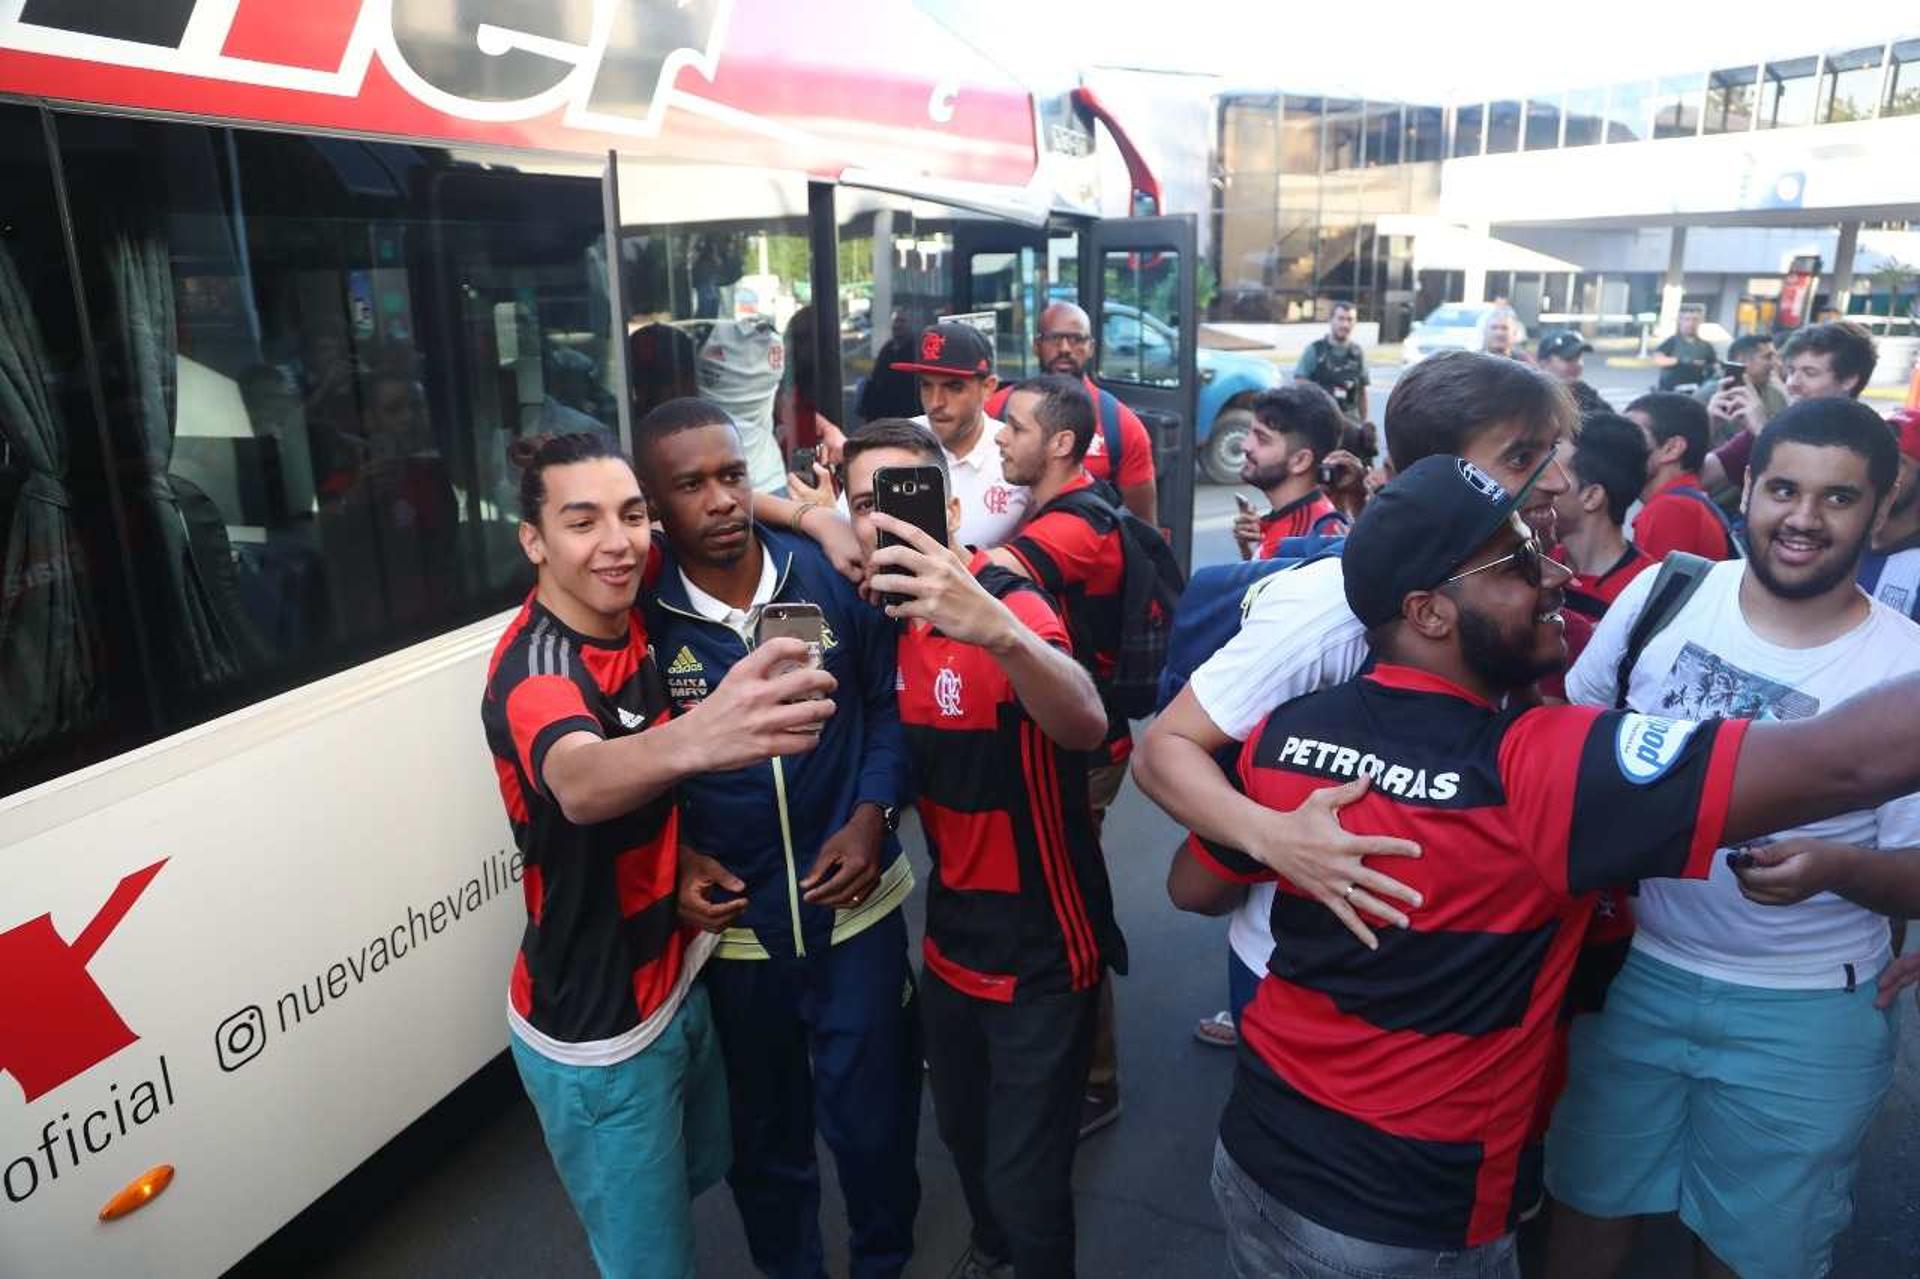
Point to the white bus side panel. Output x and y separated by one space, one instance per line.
320 956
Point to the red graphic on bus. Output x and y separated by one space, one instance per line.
55 1021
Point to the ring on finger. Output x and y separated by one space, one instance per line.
1348 891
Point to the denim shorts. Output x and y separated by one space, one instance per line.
634 1142
1267 1240
1742 1108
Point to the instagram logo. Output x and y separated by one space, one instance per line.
239 1039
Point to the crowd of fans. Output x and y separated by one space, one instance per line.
1555 770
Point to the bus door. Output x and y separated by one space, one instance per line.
1138 286
1005 276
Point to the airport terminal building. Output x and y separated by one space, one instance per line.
1768 194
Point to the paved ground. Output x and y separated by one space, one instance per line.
473 1195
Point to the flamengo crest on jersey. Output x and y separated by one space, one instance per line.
1647 745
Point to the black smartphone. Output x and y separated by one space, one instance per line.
1739 858
800 462
915 495
1732 374
1329 473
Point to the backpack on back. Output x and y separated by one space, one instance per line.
1218 598
1150 591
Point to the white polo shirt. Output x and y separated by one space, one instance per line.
990 508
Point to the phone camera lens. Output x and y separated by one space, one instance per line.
909 488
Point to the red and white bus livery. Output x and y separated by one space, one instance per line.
281 291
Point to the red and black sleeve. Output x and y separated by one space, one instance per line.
1602 798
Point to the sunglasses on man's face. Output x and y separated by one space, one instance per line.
1528 560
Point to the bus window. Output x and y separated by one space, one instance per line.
717 279
70 686
896 277
1140 338
317 357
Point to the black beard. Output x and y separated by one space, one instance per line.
1267 479
1503 662
1844 570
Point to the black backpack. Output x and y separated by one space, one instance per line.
1149 592
1679 577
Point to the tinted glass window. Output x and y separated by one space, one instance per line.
1787 93
1676 107
1468 123
1586 117
72 687
1140 338
896 263
1503 127
1343 135
1383 135
1627 111
1300 136
1730 99
1426 134
317 358
1850 85
1543 124
717 280
1903 80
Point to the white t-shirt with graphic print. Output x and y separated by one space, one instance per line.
1708 662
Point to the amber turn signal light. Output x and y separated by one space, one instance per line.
139 1192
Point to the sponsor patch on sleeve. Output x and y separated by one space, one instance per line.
1646 745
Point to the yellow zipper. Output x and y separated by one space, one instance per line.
786 845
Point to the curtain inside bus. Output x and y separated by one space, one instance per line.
46 633
266 428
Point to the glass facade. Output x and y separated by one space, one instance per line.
1304 180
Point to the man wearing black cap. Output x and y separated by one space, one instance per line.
953 365
1559 357
1382 1109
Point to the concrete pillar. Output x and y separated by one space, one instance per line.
1673 287
1842 291
1474 287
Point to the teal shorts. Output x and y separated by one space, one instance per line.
634 1142
1739 1107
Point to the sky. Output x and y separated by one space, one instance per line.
1413 49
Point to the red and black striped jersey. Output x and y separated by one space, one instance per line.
1391 1094
1085 569
603 949
1299 518
1019 904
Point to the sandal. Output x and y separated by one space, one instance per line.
1217 1030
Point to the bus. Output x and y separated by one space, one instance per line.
281 292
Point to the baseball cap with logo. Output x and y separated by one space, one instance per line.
1421 528
957 350
1563 344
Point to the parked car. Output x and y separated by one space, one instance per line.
1456 326
1141 347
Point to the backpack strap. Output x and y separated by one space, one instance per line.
1680 576
1107 406
1332 524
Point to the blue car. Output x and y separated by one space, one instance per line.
1142 348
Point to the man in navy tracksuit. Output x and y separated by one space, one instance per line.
795 863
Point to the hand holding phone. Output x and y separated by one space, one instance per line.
1240 500
803 622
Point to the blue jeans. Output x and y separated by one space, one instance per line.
1267 1240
